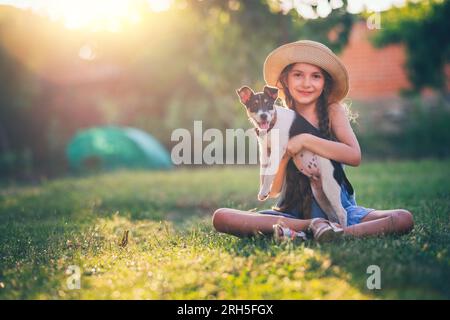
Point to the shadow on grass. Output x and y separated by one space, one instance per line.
406 272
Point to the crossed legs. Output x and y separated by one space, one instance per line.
244 223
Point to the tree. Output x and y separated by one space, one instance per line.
423 28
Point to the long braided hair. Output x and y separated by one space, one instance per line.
298 195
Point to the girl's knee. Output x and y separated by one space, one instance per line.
219 218
404 220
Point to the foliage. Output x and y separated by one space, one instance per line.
422 26
421 132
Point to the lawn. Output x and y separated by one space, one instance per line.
173 252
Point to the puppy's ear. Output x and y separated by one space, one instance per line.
271 92
245 93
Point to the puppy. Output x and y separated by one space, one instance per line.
274 126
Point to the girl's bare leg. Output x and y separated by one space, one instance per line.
245 223
381 222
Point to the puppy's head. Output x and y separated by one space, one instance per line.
259 105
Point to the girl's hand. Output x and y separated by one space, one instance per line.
295 144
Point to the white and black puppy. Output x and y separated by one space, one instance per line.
274 125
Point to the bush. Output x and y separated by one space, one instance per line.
424 132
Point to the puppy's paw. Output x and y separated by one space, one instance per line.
262 197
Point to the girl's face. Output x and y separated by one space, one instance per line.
305 82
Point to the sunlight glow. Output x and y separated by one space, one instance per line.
159 6
95 15
87 52
99 14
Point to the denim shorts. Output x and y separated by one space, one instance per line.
354 212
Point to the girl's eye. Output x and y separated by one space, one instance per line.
317 76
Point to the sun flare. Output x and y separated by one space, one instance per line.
95 15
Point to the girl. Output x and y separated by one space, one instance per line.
312 80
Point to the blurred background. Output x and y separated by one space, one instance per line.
70 67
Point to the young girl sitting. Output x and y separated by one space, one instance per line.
313 82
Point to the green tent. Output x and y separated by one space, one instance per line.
116 147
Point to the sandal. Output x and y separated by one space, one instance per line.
282 234
325 231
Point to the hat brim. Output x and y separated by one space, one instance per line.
305 51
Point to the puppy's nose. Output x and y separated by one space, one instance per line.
263 116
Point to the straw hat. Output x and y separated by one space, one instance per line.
311 52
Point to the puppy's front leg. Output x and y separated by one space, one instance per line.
264 160
266 180
269 171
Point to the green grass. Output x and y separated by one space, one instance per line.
173 252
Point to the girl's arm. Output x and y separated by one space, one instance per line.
277 183
345 151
